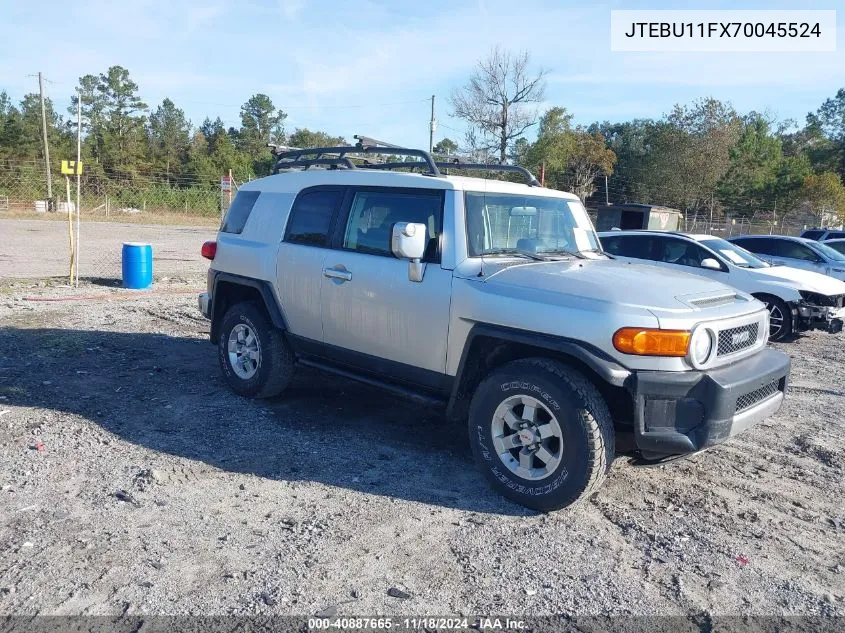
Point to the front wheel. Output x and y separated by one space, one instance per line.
541 433
780 317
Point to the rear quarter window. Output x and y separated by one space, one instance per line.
311 217
238 213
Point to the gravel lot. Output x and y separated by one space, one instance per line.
39 248
134 482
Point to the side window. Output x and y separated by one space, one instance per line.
795 250
239 211
372 215
681 252
613 245
627 246
647 247
311 217
835 235
812 235
764 246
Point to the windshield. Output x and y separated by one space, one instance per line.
737 255
828 252
498 222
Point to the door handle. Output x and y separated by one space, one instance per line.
333 273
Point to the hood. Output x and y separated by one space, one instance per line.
805 280
613 281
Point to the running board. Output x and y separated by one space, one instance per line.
397 390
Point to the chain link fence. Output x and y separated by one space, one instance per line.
174 214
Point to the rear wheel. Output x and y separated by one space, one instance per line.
541 433
780 317
253 356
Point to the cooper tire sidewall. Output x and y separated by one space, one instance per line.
570 475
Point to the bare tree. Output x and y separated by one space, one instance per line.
497 99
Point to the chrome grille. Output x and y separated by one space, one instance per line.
736 339
752 398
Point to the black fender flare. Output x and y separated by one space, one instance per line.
264 289
605 366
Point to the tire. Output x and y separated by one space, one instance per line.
584 447
776 307
267 362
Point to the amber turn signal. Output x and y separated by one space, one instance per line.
648 342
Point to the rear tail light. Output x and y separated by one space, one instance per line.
209 250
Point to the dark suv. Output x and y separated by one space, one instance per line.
822 235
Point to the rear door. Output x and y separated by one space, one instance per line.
299 266
372 312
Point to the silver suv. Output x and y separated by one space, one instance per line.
492 298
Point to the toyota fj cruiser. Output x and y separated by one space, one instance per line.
491 297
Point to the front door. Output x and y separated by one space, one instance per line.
370 307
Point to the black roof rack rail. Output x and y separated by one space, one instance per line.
532 181
343 156
287 158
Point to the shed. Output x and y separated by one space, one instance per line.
637 216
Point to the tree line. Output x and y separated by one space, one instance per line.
704 158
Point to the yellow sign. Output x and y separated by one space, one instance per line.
71 168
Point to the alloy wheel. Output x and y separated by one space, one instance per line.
527 437
244 351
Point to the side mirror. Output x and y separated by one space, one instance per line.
710 263
408 241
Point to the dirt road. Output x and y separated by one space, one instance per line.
134 482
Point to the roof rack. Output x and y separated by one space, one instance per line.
343 157
335 157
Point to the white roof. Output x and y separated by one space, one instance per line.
293 181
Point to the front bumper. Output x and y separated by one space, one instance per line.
204 303
683 412
808 316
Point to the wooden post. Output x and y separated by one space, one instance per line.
70 231
78 176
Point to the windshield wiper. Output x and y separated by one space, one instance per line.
563 251
516 252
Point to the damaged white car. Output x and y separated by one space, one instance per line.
797 299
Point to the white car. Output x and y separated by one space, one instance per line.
797 299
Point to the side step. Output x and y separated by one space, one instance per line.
397 390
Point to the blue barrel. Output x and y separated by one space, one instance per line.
137 265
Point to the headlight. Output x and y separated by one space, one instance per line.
701 346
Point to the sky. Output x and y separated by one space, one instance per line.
370 66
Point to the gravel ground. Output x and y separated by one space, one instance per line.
134 482
39 248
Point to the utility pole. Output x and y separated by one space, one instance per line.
606 192
431 127
46 145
